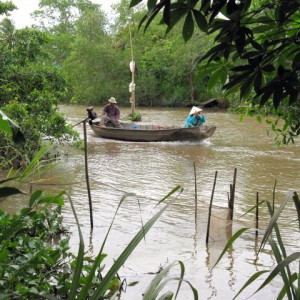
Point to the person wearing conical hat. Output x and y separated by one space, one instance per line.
110 115
195 117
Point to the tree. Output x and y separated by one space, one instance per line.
164 74
256 51
30 90
6 7
59 19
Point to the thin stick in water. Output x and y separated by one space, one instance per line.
256 215
210 207
232 194
274 195
87 175
196 200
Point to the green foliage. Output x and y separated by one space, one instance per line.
256 49
6 7
41 270
29 93
136 116
161 280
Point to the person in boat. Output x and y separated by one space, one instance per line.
92 115
110 116
195 117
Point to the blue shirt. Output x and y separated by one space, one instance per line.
192 121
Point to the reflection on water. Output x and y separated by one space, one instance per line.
152 170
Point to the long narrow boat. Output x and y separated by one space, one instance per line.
153 133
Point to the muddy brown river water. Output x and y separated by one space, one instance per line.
152 170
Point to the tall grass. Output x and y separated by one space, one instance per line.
272 236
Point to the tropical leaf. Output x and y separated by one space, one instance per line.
274 220
128 250
136 2
279 259
250 280
11 128
230 243
252 208
161 280
9 191
80 256
214 79
34 197
188 27
166 13
150 4
279 268
155 286
200 20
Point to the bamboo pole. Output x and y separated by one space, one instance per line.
87 174
232 194
256 215
196 199
274 195
210 207
132 98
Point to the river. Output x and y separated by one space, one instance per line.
152 170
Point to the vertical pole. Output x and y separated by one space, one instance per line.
132 98
274 195
256 215
210 207
87 174
196 199
232 194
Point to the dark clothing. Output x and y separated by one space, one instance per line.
112 111
110 115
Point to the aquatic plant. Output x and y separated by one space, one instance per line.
272 235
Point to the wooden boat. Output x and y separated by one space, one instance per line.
153 133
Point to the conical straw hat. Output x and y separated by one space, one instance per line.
195 109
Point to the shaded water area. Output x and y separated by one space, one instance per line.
152 170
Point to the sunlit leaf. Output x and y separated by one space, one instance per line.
213 80
36 195
11 128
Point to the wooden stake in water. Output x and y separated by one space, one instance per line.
256 215
210 207
196 200
274 195
87 174
232 194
